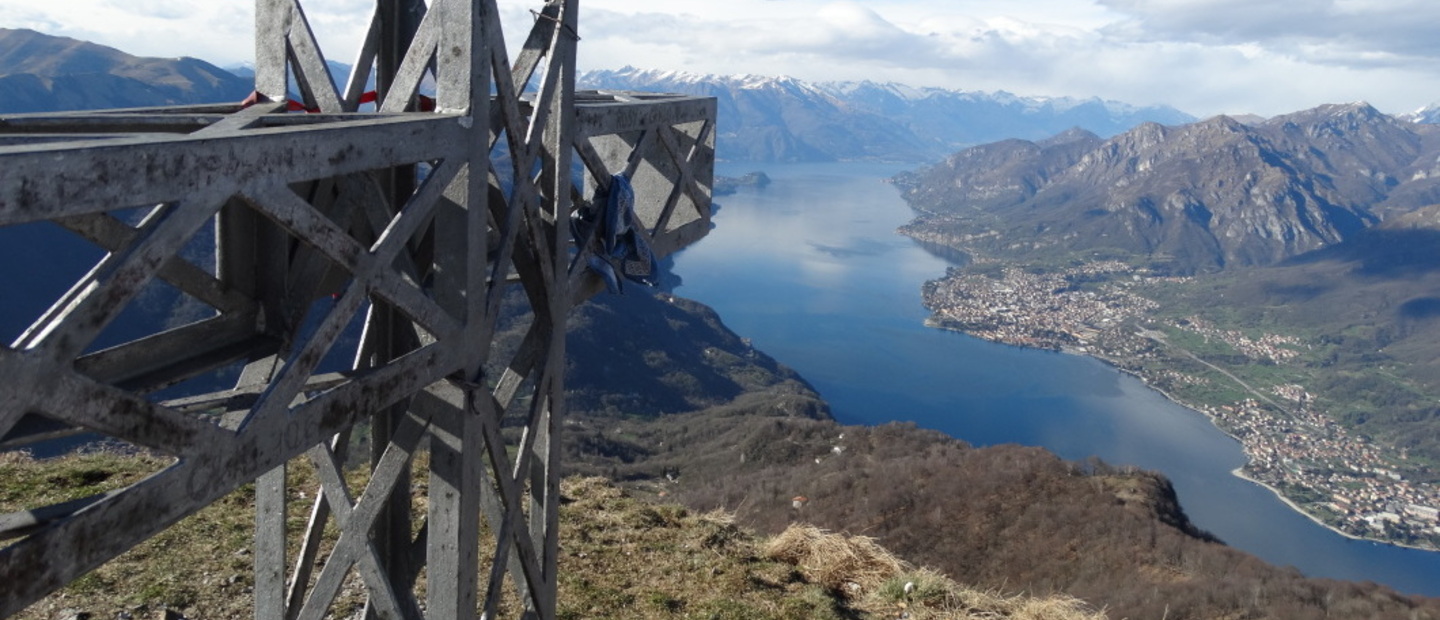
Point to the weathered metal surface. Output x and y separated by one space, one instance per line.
412 223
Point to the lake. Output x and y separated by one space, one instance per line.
811 269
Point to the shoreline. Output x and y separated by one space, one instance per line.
1238 472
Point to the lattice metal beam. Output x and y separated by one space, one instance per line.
416 225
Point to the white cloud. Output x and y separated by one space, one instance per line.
215 31
1203 56
1329 31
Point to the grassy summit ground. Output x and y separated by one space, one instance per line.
621 557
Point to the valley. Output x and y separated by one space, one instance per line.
1254 389
809 270
1275 274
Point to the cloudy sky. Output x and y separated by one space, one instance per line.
1202 56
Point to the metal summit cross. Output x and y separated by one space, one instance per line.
350 270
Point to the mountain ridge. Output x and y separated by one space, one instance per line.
1190 198
1428 114
781 118
44 73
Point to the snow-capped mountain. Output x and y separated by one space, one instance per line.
1428 114
770 118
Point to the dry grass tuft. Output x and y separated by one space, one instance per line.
851 565
876 584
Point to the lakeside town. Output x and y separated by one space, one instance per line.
1340 479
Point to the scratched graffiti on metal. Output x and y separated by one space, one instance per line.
412 210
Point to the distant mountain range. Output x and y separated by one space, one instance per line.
766 118
42 73
1192 198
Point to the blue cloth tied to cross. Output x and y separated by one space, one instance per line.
623 250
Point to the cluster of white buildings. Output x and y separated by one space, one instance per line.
1047 311
1361 491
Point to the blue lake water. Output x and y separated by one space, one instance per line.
811 270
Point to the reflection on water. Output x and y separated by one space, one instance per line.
856 247
944 252
811 270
